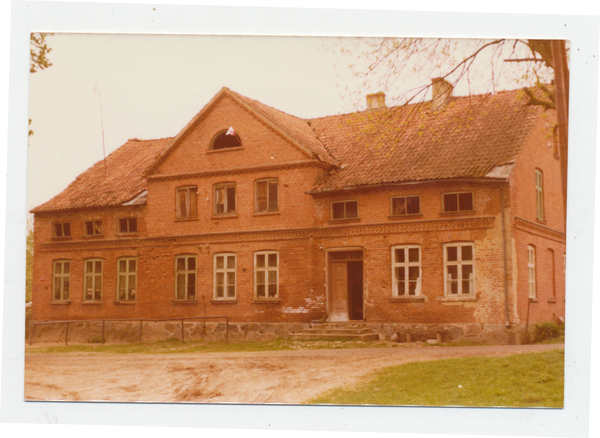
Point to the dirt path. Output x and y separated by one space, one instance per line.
290 377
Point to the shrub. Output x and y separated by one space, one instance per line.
543 331
95 340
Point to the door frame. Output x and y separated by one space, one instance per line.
328 276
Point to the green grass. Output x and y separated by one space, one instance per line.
176 346
522 380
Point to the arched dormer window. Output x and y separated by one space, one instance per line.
225 139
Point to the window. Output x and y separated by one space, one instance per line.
225 199
61 280
344 210
224 283
406 271
187 202
226 140
62 229
185 277
531 270
92 228
405 205
459 269
93 280
457 201
539 194
128 225
267 196
127 281
266 268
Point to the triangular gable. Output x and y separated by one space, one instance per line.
261 116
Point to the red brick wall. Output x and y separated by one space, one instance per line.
545 235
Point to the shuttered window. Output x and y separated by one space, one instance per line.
267 196
225 199
187 202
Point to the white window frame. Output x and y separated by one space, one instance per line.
62 277
94 278
186 271
266 269
130 295
539 194
406 265
531 262
459 263
225 271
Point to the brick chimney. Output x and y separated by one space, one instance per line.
441 93
376 101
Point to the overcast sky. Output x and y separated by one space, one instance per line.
150 86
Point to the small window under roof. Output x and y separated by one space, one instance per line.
226 140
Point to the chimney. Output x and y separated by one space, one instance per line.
441 93
376 101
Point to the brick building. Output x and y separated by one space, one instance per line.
440 213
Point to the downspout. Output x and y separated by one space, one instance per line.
504 257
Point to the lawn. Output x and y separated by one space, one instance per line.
521 380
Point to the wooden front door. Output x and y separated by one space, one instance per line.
345 286
339 292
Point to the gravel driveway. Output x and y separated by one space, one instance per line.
289 377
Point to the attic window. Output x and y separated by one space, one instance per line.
226 139
128 225
62 229
93 228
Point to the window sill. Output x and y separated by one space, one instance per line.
353 219
267 213
184 301
61 303
186 219
533 300
458 213
552 300
60 239
118 235
95 236
91 303
407 299
216 151
225 216
266 301
225 301
540 221
458 299
405 216
117 302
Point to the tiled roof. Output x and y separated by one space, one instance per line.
297 128
122 181
466 139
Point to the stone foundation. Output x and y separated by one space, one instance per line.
129 332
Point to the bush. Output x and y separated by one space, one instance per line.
95 340
547 330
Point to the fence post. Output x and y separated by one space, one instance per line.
67 333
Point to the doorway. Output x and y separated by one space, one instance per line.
345 286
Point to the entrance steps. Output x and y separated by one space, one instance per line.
337 331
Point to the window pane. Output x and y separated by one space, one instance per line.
89 267
132 264
465 201
67 229
466 252
181 264
220 262
231 262
65 288
413 254
219 200
191 284
193 193
400 255
451 202
412 205
272 277
272 290
452 272
400 273
133 225
89 228
89 288
231 278
454 287
219 291
273 196
220 277
338 210
183 210
57 288
66 267
452 253
57 267
351 209
131 284
398 206
466 287
122 265
230 199
98 267
260 290
58 230
122 287
191 263
260 277
467 272
412 287
413 272
272 260
231 291
261 196
180 286
401 288
260 260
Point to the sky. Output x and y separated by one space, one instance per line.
104 89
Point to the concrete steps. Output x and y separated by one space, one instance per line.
339 331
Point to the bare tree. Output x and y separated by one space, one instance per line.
38 56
